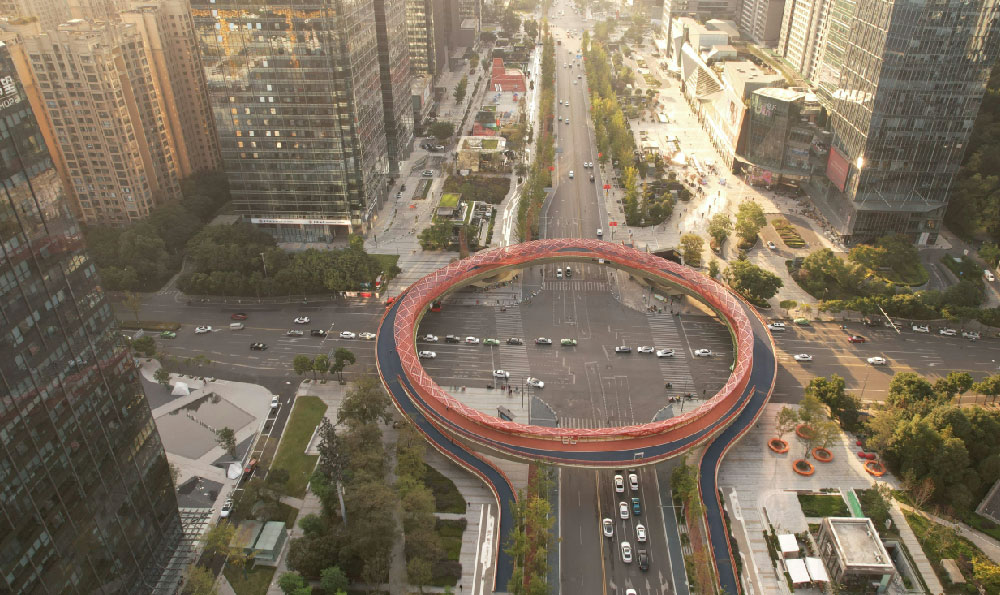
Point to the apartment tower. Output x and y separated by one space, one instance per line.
420 35
87 505
802 29
395 79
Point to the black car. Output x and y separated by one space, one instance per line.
258 346
452 339
591 178
643 560
317 332
515 341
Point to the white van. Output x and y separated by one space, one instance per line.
989 275
600 232
236 326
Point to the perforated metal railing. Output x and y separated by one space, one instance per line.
423 292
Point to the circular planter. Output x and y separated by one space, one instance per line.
875 468
778 445
805 431
803 467
822 455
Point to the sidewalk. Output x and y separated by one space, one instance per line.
916 552
990 546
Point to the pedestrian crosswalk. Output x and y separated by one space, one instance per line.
580 422
512 358
667 335
575 285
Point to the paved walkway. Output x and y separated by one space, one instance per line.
908 538
990 546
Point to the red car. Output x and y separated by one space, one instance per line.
251 465
855 339
239 316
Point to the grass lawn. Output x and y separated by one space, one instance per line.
446 496
256 582
980 523
389 264
449 200
815 505
450 533
305 417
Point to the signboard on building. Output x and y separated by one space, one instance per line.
837 168
294 221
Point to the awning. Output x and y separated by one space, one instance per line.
797 570
817 572
788 545
180 390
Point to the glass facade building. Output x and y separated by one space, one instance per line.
420 34
296 96
902 81
396 79
86 499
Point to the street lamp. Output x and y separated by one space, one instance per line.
265 264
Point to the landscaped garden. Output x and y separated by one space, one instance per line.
306 413
823 505
787 232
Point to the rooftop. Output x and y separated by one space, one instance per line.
449 200
858 542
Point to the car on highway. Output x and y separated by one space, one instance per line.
636 507
623 510
921 328
427 354
491 342
570 171
367 336
802 321
543 341
646 349
347 335
640 533
429 338
201 330
608 527
472 340
168 335
803 357
619 484
877 361
703 352
970 335
567 342
643 562
633 482
626 552
664 353
238 316
302 320
317 332
293 333
535 382
623 349
274 402
856 339
501 374
258 347
515 341
771 246
227 508
776 326
452 339
427 173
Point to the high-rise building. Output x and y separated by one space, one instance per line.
87 504
395 78
903 82
92 87
760 20
172 53
420 35
50 13
701 10
802 29
296 94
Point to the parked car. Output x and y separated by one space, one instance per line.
238 316
802 321
856 339
317 332
274 402
201 330
948 332
771 246
776 326
567 342
971 335
515 341
258 347
251 466
921 328
427 173
227 508
302 320
347 335
427 354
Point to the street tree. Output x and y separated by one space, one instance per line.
531 28
144 345
955 383
749 219
162 376
989 386
787 305
291 582
441 130
460 89
366 403
908 389
333 580
811 410
133 301
342 358
226 438
756 284
217 539
199 581
832 393
719 227
713 269
786 420
691 247
418 570
302 364
321 365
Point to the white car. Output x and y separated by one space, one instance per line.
703 352
570 171
274 402
201 330
920 328
532 381
501 374
367 336
948 332
633 482
472 340
623 510
640 533
664 353
630 592
619 484
623 349
776 326
877 361
427 354
609 527
626 552
347 335
302 320
803 357
543 341
970 335
294 333
430 338
226 508
646 349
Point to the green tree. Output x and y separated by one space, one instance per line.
509 22
749 219
218 538
342 358
226 438
133 301
461 88
419 572
199 581
691 247
333 580
989 386
144 345
786 420
787 305
713 269
955 383
162 376
876 502
719 227
990 253
321 365
291 582
908 389
366 403
302 364
987 574
831 392
755 283
811 411
530 28
437 236
441 130
684 483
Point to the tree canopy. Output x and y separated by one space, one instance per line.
754 283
